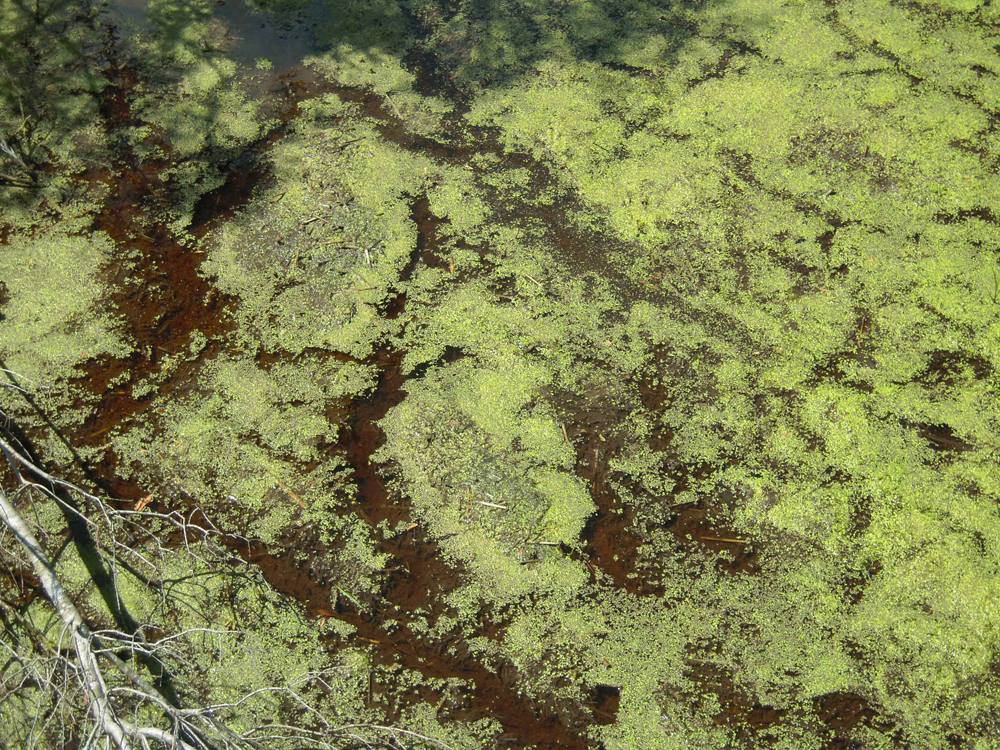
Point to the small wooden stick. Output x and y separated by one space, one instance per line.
101 432
535 280
141 503
288 490
723 539
394 107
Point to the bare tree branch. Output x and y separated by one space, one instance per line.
93 679
56 669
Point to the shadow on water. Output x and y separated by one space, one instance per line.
501 41
250 35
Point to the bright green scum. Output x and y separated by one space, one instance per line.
789 219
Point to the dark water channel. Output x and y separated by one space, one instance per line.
164 300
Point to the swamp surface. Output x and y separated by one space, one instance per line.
583 374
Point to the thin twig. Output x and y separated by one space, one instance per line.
532 278
723 539
394 107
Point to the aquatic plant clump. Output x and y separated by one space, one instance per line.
588 375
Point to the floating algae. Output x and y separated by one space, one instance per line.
614 375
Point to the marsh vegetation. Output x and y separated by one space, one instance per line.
573 374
